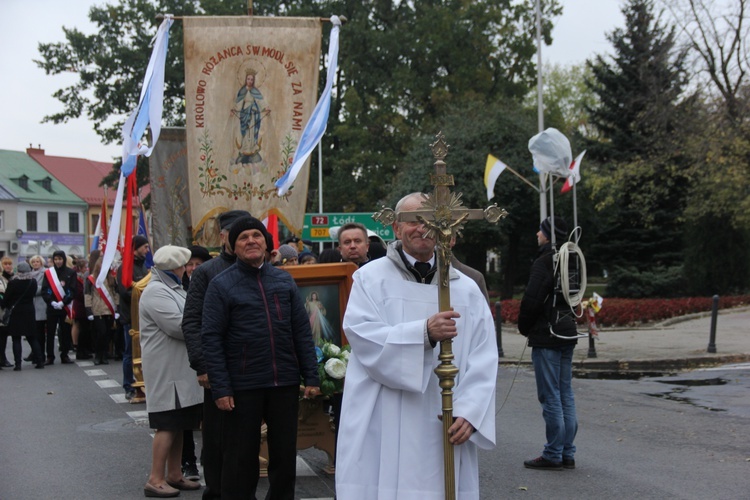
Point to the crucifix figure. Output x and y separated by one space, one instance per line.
444 216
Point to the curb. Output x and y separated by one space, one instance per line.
512 328
646 365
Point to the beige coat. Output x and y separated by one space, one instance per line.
94 301
169 380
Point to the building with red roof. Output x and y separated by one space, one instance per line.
83 177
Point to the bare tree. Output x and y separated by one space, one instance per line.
716 32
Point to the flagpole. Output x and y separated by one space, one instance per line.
575 206
320 186
524 179
540 105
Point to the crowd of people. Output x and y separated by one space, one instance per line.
42 302
229 342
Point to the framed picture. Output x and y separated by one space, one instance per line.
325 289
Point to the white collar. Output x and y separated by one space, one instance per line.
412 260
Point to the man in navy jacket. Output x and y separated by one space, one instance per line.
257 346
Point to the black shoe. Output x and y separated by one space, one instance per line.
29 358
130 394
569 463
39 365
50 361
104 361
6 364
190 471
541 463
17 368
65 360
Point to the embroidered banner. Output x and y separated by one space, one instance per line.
251 84
169 190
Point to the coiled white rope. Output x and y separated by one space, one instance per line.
562 263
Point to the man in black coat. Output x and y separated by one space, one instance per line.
140 250
58 289
546 320
192 320
257 345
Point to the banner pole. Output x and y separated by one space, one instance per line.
159 17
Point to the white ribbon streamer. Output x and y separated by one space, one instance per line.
316 126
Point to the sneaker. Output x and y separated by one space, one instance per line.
190 471
130 394
568 463
541 463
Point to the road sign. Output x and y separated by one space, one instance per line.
317 227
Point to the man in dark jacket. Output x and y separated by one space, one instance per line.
58 289
257 345
140 249
547 320
192 320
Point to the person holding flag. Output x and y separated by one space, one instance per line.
143 231
58 290
101 308
125 282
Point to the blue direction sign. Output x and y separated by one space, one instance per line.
317 227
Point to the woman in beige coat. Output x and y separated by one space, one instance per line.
101 308
173 396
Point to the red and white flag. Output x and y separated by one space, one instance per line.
575 174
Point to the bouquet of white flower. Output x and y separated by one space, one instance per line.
332 361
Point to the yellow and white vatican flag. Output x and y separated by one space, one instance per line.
492 171
250 85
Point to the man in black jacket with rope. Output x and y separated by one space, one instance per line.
547 321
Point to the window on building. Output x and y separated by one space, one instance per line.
52 225
73 225
31 221
46 183
23 182
2 220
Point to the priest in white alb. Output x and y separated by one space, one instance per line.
390 440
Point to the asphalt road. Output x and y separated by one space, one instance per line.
67 433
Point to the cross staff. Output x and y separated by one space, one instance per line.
444 216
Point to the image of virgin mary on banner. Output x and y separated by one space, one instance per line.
250 86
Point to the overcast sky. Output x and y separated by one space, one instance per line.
27 91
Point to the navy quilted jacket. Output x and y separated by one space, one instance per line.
255 331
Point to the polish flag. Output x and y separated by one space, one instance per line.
575 174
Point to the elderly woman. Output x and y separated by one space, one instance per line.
173 396
40 313
19 297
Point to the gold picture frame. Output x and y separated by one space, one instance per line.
332 283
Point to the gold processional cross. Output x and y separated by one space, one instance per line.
444 215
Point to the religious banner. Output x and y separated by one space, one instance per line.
250 86
169 190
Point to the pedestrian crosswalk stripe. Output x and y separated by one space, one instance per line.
119 398
107 383
95 373
138 415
